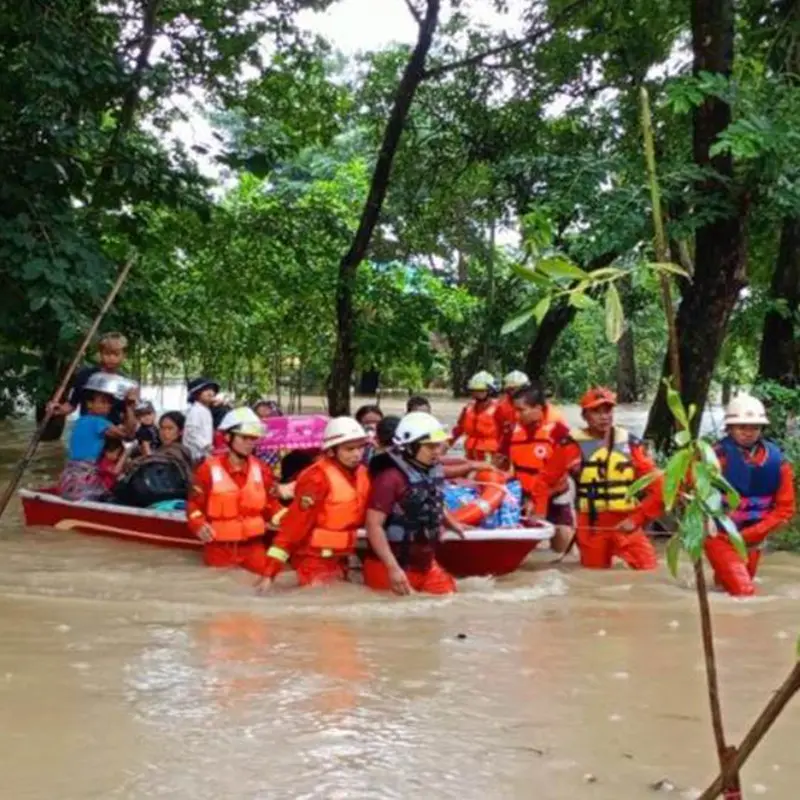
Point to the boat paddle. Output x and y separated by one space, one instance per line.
37 434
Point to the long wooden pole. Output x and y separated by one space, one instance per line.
37 435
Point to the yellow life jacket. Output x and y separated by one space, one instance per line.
605 476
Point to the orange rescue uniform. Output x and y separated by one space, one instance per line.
480 424
235 501
730 572
602 479
318 533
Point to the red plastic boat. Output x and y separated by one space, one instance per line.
481 552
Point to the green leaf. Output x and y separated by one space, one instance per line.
674 476
702 480
673 554
541 308
559 266
676 407
527 274
517 322
639 486
615 317
693 530
581 301
737 541
732 497
669 267
708 454
692 411
682 438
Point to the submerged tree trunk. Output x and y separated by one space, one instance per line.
720 253
342 372
369 382
779 346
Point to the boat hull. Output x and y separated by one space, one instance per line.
480 552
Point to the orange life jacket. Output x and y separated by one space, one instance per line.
481 429
529 453
343 512
235 513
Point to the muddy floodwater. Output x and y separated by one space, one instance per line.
132 672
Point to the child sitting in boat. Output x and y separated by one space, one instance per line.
81 479
112 463
147 438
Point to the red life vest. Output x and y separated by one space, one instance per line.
344 510
236 514
481 429
530 451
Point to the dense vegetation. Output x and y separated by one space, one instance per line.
377 220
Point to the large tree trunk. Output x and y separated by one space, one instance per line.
720 253
339 388
779 347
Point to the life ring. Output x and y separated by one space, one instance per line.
472 514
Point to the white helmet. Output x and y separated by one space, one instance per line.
342 430
516 379
242 421
418 427
745 409
481 382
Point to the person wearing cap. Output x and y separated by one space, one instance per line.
528 447
406 512
198 433
318 533
764 479
605 460
231 497
479 422
147 438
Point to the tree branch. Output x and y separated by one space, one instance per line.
531 38
414 13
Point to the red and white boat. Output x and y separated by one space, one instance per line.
482 552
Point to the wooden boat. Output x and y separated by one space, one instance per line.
482 552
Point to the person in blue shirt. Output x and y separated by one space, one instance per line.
81 478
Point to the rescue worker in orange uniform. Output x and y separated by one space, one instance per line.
759 471
529 447
479 421
506 413
605 460
317 535
231 497
406 512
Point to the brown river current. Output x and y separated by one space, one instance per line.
133 672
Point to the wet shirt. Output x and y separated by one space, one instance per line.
88 437
198 431
77 397
389 487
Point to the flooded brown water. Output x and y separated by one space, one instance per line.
133 672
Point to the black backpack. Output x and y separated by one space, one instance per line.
152 482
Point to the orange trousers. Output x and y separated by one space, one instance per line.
433 580
600 543
313 570
250 555
730 572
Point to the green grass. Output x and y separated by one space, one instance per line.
787 539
